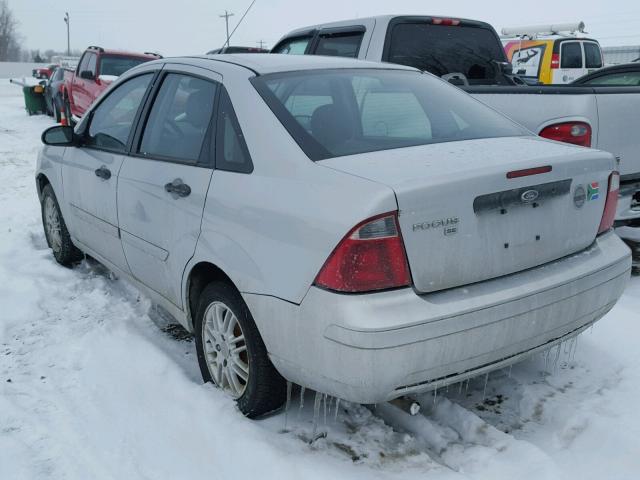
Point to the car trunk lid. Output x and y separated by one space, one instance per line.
463 220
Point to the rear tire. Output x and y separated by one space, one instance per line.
249 376
55 230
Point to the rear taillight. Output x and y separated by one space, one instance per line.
370 257
611 204
555 61
576 133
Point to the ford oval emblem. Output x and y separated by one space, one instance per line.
529 196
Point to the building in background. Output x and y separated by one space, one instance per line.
624 54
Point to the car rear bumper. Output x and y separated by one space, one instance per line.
374 347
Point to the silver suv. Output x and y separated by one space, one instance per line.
362 229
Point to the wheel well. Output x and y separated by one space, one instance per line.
41 182
200 276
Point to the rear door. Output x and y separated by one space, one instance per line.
571 62
340 42
90 172
592 57
163 184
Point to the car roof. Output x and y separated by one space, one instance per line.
261 63
379 19
621 67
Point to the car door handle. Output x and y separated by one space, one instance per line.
103 172
178 188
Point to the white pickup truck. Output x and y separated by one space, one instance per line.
469 53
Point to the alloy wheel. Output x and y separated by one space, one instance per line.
225 349
52 224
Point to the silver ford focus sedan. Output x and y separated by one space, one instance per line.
365 230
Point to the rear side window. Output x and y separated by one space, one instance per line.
570 55
179 119
293 46
231 150
347 112
340 45
592 55
440 49
112 120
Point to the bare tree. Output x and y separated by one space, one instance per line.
8 33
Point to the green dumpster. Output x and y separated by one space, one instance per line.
34 99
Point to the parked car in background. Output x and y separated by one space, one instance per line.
365 230
43 72
462 51
53 92
97 69
623 75
233 49
469 54
553 60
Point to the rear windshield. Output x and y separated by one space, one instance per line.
441 50
592 55
570 55
116 65
331 113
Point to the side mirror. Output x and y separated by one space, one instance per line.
87 75
505 67
59 136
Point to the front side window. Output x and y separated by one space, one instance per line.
627 79
346 112
112 120
114 65
592 55
179 119
293 46
571 55
340 45
441 50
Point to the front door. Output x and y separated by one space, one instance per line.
162 186
90 172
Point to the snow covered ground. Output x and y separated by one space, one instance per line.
95 384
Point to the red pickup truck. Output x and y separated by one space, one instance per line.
96 70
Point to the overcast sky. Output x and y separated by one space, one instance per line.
193 26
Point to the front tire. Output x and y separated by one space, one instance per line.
55 230
231 353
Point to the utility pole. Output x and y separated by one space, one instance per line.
66 20
261 43
226 21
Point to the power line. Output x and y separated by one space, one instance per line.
240 21
261 43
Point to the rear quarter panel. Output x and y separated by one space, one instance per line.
272 230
